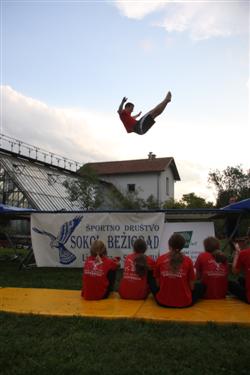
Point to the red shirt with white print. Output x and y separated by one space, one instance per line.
95 281
127 120
133 286
174 286
243 264
213 275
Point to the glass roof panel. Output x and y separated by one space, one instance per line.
40 184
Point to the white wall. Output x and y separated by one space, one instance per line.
146 184
163 193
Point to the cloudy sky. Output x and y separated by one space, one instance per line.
65 66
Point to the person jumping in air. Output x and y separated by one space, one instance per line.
142 125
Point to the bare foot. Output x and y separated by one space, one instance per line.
169 97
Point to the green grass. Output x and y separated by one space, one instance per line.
43 345
40 345
32 277
45 277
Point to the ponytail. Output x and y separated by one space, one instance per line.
176 259
176 243
98 250
212 246
219 257
141 266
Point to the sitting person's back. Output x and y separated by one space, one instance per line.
134 284
241 263
212 269
175 276
98 273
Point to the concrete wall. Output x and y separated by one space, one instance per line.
146 184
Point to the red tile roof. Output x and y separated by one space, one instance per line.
135 166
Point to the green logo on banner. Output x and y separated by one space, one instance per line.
187 234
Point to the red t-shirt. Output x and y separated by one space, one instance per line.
95 281
243 264
133 286
174 286
213 275
127 120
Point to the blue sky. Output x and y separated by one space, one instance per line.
65 65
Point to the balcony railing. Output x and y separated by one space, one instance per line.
36 153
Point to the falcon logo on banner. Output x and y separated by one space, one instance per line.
59 242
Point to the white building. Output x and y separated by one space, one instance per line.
151 176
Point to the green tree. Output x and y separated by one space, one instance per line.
193 201
152 203
132 201
86 189
232 181
188 201
172 203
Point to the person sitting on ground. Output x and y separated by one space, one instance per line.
142 125
231 225
98 273
134 284
212 269
174 275
241 262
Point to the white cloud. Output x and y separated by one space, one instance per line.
78 134
206 20
200 19
194 176
248 84
87 136
138 9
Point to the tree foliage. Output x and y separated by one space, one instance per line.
172 203
190 200
85 190
232 181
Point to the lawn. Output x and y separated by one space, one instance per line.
40 345
43 345
32 277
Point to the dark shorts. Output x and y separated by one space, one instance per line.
144 124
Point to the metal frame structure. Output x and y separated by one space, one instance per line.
31 177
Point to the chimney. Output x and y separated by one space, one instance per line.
151 156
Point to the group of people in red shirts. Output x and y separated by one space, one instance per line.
172 279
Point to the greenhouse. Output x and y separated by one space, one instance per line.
34 178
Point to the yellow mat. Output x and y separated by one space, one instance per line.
69 303
225 311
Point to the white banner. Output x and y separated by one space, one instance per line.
64 239
194 234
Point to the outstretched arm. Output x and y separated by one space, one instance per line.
121 105
138 114
236 256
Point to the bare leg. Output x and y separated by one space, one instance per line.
160 107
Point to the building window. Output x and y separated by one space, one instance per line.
131 188
167 185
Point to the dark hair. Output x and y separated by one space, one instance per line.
176 243
98 248
139 246
141 266
212 246
140 261
129 105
